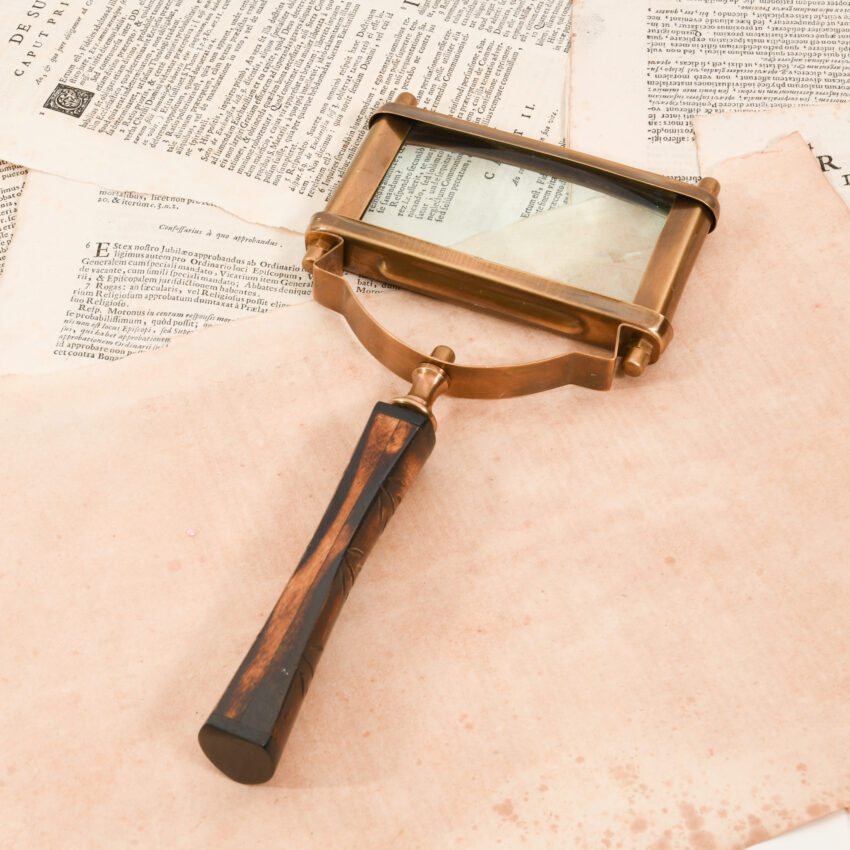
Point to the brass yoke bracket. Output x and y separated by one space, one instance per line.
332 290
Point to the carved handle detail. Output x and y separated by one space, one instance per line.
245 734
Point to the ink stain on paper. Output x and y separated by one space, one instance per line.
758 831
703 840
625 774
693 819
663 843
506 810
818 810
700 839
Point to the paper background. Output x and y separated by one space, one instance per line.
598 619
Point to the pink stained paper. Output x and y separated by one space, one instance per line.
597 619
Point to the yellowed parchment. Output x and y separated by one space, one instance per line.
12 179
641 72
597 620
127 272
826 127
255 106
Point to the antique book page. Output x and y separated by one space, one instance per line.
826 128
597 619
258 106
126 272
12 179
641 71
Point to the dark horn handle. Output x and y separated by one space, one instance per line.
245 734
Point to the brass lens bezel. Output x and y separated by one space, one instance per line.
638 331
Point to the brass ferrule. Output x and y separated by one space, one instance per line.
429 381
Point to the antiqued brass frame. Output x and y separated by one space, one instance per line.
638 332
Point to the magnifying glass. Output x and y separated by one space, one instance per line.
591 249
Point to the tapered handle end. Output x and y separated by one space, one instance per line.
236 752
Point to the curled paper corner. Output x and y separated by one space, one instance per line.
829 832
773 146
824 126
777 149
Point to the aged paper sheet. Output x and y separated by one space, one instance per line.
641 71
127 272
258 106
826 128
624 622
12 178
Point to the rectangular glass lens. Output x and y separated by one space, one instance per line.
522 209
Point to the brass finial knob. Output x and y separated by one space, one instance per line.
429 382
637 358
